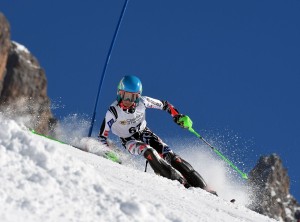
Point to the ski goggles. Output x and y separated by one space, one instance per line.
129 96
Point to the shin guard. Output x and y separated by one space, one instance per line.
161 167
192 176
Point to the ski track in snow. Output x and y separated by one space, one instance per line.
42 180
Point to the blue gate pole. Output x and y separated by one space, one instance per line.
105 66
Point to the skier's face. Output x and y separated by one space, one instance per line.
127 103
128 98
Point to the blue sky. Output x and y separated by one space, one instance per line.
232 66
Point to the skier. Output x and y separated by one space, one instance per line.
126 119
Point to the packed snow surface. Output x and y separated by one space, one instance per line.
43 180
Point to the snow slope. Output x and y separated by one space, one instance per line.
42 180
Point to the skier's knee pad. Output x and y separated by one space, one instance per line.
180 164
159 165
153 158
151 154
192 176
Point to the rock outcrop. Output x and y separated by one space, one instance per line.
23 92
4 47
271 185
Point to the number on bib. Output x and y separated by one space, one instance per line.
135 129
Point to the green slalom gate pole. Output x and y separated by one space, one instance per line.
243 175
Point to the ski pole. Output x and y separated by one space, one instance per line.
244 175
146 165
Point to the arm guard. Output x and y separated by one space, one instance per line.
170 108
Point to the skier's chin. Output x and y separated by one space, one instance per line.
127 104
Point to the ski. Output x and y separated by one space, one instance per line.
107 154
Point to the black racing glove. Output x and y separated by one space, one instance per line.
183 121
103 140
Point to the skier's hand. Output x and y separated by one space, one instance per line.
183 121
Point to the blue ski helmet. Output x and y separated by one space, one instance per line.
131 84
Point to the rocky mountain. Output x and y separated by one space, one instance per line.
23 84
271 183
4 47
